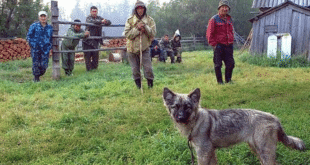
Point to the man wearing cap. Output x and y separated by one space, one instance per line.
91 58
70 44
140 24
39 38
220 35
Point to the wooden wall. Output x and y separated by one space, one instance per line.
289 19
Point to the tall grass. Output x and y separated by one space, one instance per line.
99 117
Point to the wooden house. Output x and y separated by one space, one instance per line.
287 17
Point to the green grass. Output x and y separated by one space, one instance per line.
99 117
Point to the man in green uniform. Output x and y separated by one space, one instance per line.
70 44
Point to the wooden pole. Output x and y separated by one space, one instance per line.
194 42
141 61
55 54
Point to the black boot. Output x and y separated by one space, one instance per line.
138 83
218 74
228 75
150 83
36 79
179 60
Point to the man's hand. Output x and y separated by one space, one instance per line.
156 47
104 21
140 27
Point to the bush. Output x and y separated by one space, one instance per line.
263 60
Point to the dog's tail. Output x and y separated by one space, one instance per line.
290 141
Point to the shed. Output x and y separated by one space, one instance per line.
264 5
287 17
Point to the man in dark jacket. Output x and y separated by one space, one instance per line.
165 45
177 47
155 50
91 58
220 34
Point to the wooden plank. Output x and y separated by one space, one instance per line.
90 50
261 35
294 31
300 33
254 35
289 17
306 34
54 8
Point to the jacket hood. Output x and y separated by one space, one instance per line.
177 35
138 4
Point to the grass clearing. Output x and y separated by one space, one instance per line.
99 117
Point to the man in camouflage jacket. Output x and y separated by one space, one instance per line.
70 44
165 45
140 23
40 40
92 58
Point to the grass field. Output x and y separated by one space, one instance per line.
100 117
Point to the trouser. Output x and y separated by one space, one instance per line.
169 53
91 58
177 53
223 53
39 62
153 52
134 60
67 60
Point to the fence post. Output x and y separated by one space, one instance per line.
194 42
55 54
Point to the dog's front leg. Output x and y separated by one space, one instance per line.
206 156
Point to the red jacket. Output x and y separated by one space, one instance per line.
220 31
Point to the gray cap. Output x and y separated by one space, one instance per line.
223 3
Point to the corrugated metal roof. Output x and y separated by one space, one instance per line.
273 3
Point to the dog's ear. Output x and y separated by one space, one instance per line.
195 95
168 96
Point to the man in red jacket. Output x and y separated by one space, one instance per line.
220 34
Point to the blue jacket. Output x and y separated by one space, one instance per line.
40 38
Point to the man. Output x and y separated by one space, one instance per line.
140 24
39 38
220 34
177 47
155 50
91 58
70 44
165 45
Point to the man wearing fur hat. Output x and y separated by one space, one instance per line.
140 24
220 34
70 44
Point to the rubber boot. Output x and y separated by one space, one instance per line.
228 75
150 83
218 74
138 83
179 60
36 79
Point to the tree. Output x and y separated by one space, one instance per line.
17 16
192 16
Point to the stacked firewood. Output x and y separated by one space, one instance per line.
14 49
117 42
79 57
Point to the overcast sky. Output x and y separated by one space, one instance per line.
68 5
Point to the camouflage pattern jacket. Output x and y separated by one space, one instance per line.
40 38
95 30
165 45
72 43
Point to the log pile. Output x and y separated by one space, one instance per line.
79 57
14 49
117 42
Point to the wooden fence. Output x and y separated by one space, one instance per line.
56 52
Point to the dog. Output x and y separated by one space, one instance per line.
208 129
